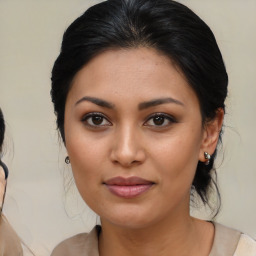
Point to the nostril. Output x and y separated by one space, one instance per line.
126 163
127 151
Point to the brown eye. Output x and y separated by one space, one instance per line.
95 120
158 120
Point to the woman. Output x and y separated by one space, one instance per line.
139 90
9 242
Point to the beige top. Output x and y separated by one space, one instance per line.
9 242
226 243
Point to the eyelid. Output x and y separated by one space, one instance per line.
161 114
92 114
169 117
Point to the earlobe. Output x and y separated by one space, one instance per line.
211 135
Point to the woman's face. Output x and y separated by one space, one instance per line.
134 135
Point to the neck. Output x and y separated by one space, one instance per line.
184 236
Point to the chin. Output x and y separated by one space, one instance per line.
130 218
130 224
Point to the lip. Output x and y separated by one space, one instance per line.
128 187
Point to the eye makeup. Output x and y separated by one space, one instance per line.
160 120
95 120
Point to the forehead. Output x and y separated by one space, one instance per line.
140 73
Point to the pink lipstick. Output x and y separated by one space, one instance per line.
128 187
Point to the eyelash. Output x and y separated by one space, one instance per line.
165 117
95 114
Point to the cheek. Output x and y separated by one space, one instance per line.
177 160
87 158
86 169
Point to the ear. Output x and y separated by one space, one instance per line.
211 134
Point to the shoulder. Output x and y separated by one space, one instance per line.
9 242
81 244
225 240
68 246
228 241
246 246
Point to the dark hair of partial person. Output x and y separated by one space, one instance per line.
2 130
167 26
15 241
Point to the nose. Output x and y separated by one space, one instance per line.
127 149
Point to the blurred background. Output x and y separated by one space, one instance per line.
42 204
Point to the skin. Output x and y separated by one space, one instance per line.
2 185
125 140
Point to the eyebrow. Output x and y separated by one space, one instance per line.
141 106
157 102
99 102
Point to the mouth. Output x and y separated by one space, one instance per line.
128 187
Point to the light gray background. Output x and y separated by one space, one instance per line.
30 36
